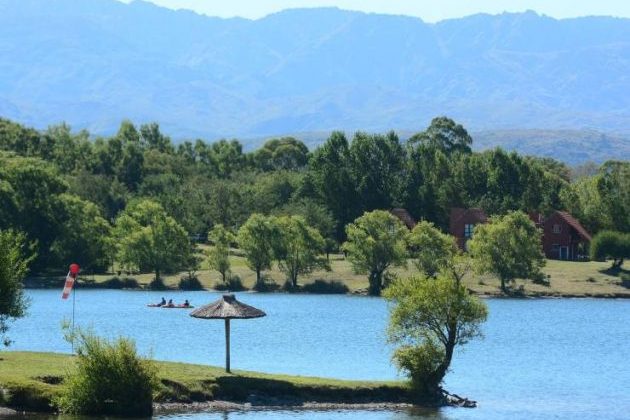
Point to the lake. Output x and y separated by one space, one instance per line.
540 358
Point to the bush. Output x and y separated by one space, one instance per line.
190 283
267 285
118 283
157 284
110 379
326 287
233 284
611 244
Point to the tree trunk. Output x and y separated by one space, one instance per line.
258 282
157 274
449 347
376 283
503 288
294 278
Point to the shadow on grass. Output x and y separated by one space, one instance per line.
616 271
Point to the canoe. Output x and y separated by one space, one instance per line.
178 307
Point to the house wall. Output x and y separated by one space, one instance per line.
457 227
553 241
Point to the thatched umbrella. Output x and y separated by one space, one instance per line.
227 307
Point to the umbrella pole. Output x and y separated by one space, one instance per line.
227 345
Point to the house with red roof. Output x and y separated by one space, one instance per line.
404 217
563 237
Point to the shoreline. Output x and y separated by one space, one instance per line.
481 294
29 381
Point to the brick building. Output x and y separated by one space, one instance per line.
563 238
462 223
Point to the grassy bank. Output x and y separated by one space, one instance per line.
567 278
30 380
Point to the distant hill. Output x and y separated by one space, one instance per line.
93 63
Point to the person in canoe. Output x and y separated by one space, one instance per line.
170 304
157 305
186 304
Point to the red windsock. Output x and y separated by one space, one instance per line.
70 278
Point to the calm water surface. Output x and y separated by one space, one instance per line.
547 358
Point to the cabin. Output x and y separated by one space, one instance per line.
564 238
404 217
462 223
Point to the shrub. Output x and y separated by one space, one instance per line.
117 283
266 285
326 287
109 378
157 284
233 284
611 244
190 283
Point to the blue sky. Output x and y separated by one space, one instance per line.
428 10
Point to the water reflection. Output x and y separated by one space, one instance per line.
401 414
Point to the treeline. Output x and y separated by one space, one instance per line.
65 190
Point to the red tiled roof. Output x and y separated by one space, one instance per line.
404 217
573 222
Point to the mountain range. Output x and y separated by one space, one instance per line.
94 63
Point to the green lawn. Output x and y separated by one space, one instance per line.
30 380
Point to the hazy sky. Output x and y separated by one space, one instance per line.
428 10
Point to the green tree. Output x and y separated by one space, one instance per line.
286 153
317 216
610 244
219 254
36 187
582 199
376 241
428 320
299 248
377 164
152 138
85 237
14 260
148 239
508 246
331 176
431 249
445 134
256 238
613 184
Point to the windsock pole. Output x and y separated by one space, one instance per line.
67 289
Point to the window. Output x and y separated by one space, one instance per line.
555 248
557 228
468 230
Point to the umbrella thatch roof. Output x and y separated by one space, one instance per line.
227 307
